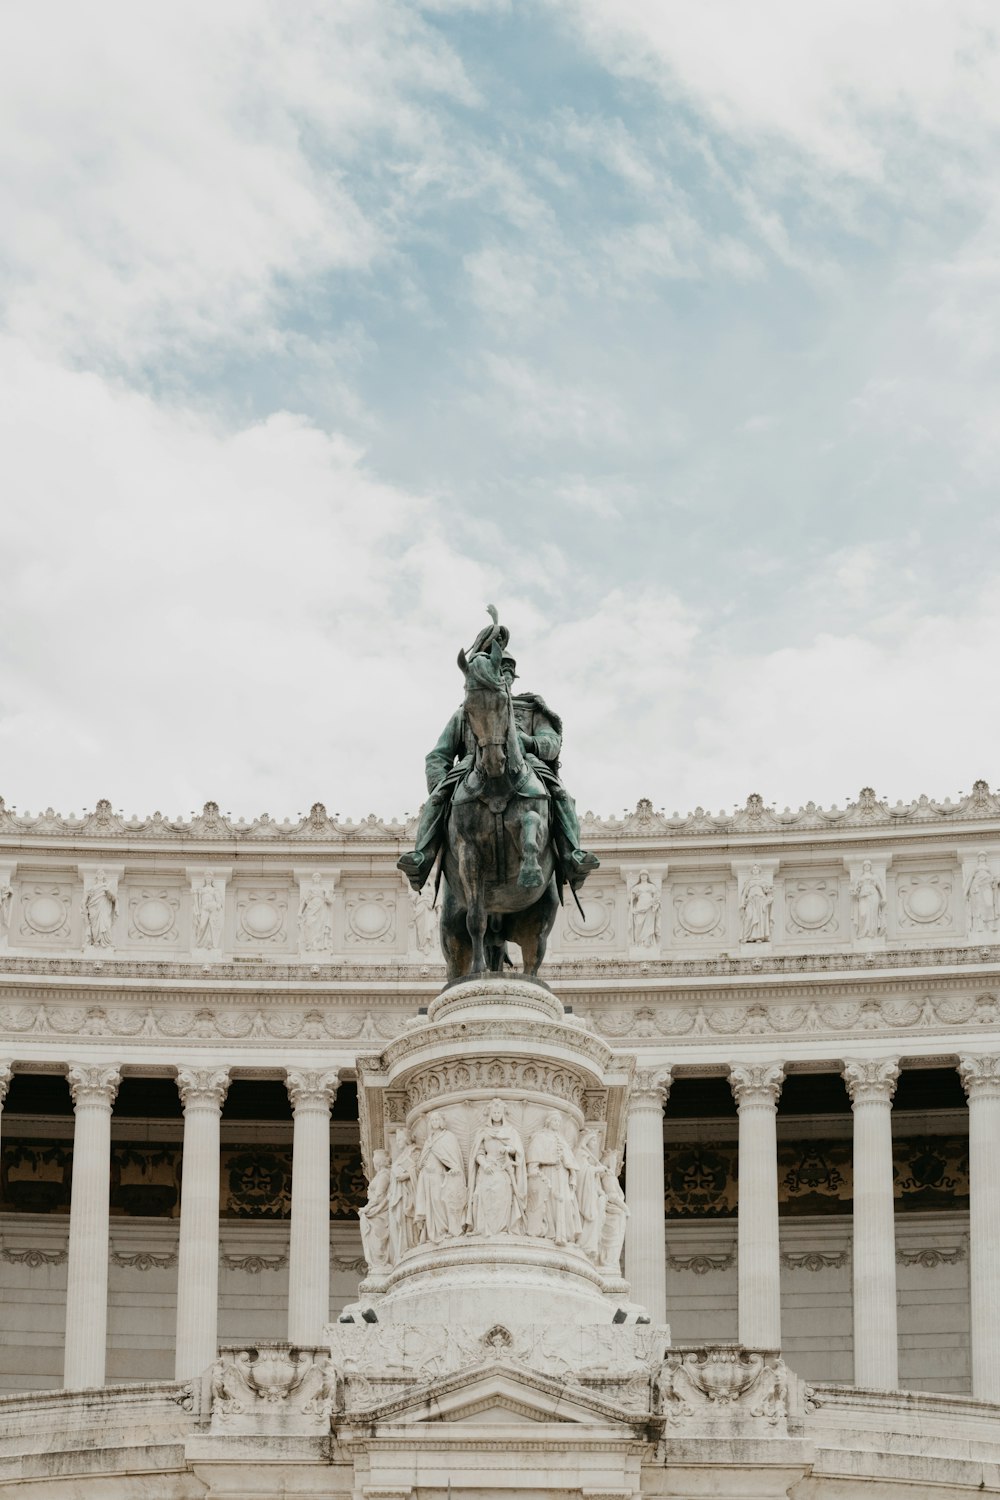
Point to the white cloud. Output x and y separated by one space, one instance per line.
167 172
842 83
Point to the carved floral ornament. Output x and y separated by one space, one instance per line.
756 1085
94 1087
871 1080
316 1089
980 1076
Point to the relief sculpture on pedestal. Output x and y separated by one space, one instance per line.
497 1178
402 1196
551 1160
590 1194
441 1187
374 1216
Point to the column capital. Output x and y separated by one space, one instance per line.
203 1087
315 1088
650 1086
871 1080
756 1085
6 1074
980 1075
93 1085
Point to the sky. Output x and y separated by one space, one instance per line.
673 331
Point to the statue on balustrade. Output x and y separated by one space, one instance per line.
616 1213
590 1194
316 917
868 893
440 1201
100 907
209 904
644 912
402 1197
550 1155
755 908
497 811
374 1216
424 919
497 1178
982 894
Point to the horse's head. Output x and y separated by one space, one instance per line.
487 708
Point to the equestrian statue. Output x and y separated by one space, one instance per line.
500 818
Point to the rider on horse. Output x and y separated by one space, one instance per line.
540 734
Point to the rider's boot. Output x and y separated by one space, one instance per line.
416 866
578 863
416 863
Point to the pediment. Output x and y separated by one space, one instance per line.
504 1396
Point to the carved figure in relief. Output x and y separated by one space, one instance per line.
536 1208
374 1216
316 917
590 1194
616 1212
549 1152
644 912
100 907
981 894
439 1206
425 920
208 905
6 900
497 1178
402 1195
869 903
755 908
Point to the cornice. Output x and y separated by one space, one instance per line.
593 975
869 816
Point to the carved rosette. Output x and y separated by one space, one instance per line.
756 1085
202 1088
871 1080
93 1087
312 1089
980 1075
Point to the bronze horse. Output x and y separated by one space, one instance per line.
499 865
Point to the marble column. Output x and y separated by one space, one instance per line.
756 1087
645 1249
871 1084
202 1091
94 1090
6 1074
981 1077
312 1094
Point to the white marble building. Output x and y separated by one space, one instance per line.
809 1006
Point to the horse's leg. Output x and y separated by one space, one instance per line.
530 873
475 913
455 943
533 928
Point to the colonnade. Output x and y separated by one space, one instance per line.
756 1088
871 1084
203 1092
